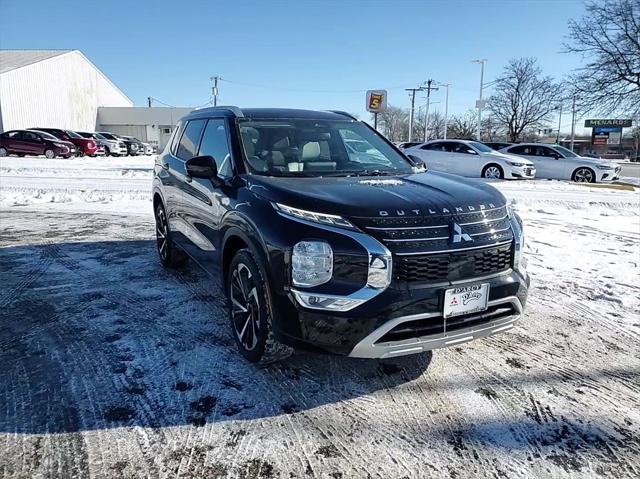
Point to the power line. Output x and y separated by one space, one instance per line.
304 90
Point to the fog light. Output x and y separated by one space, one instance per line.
311 263
379 276
326 302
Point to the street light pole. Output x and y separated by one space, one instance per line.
573 121
411 114
426 115
481 62
559 123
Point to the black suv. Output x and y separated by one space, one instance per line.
365 255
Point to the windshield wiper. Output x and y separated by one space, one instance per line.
375 172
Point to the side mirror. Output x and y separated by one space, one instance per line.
419 163
557 156
203 167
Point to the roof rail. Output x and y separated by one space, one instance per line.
233 109
343 113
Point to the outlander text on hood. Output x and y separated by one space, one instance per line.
352 251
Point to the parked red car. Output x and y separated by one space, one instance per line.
84 146
33 142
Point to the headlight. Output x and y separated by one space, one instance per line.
514 163
60 145
519 261
311 263
322 218
604 167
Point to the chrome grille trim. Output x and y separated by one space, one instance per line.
418 239
493 245
493 220
491 232
378 228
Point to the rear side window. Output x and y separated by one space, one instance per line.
215 144
188 145
12 134
29 136
521 150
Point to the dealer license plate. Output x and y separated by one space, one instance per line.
465 300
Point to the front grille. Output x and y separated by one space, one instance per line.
452 266
416 234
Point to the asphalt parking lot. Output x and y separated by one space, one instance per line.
114 367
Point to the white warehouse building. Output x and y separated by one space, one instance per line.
63 89
53 88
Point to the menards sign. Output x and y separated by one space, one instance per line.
618 123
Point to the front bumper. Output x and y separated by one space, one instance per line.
365 331
521 172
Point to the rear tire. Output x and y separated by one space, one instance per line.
79 151
3 152
493 171
251 311
170 255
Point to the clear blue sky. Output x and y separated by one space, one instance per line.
303 53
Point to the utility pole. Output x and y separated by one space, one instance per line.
480 104
413 105
214 90
446 108
426 115
559 123
573 120
149 101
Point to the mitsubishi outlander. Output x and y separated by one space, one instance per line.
361 253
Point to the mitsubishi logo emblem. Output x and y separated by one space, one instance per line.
457 235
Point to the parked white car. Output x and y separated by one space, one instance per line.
559 163
471 158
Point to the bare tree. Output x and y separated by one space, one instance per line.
463 126
394 123
608 39
523 98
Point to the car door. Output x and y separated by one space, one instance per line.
13 142
434 155
464 160
32 143
205 203
172 175
555 164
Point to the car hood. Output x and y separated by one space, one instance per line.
425 194
509 157
594 161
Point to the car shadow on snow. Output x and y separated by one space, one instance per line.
97 335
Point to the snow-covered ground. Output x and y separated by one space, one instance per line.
115 367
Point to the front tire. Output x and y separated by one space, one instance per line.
170 255
493 172
106 151
584 175
49 153
251 311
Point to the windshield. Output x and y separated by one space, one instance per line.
99 136
72 134
301 147
564 151
108 136
481 147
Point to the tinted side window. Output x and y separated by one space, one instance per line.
13 134
214 143
520 150
30 136
175 138
188 145
434 146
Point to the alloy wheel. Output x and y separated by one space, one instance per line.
4 152
161 234
245 306
492 172
583 175
50 154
